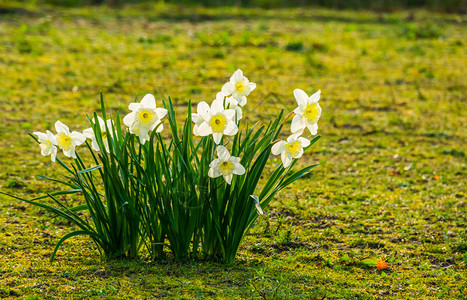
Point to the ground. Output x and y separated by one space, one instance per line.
391 180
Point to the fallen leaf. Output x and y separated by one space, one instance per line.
381 265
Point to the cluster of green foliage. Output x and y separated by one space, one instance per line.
391 181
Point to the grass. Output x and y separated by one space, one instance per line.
391 180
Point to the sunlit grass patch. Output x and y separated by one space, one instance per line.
391 164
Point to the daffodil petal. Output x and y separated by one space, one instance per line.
229 113
213 173
299 111
220 97
239 170
242 101
60 127
237 76
228 178
88 133
53 153
223 153
305 142
161 112
231 128
77 137
297 124
203 110
51 137
95 145
159 127
313 128
252 86
278 148
217 137
235 160
300 96
315 97
216 107
286 160
204 129
129 119
300 153
41 137
228 89
214 163
148 101
196 118
134 106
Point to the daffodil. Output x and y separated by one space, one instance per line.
144 117
239 87
307 113
216 121
225 165
47 143
89 133
68 141
290 149
203 110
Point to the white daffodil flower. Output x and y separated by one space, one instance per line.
239 87
68 141
203 110
307 113
144 117
89 133
290 149
225 165
216 121
47 143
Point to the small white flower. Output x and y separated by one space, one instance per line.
47 143
239 87
216 121
290 149
68 141
307 113
203 110
89 133
144 117
225 165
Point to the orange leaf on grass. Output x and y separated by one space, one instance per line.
381 265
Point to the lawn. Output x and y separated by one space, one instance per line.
391 180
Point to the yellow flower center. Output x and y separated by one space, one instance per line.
226 167
240 86
218 123
146 117
293 148
312 112
64 141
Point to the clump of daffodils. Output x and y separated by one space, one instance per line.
219 119
197 191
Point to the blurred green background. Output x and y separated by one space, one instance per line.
387 5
